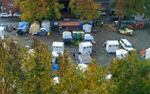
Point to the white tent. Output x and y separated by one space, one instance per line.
87 28
82 67
147 53
56 80
2 33
35 27
121 53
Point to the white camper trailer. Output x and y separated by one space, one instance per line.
85 48
58 48
147 53
111 46
2 32
121 53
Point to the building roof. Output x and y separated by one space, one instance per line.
69 24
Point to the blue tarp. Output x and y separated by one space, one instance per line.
55 67
23 25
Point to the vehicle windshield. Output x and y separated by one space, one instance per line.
129 46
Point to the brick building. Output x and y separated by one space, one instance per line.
8 6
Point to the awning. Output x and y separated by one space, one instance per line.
68 24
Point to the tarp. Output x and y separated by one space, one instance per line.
23 25
47 25
35 27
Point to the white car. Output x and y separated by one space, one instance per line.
125 44
16 15
5 15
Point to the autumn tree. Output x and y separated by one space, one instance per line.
129 75
129 7
24 70
85 9
38 9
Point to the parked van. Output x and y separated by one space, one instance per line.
147 53
125 44
111 46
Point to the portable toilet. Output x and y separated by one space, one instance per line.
121 53
77 35
57 47
147 53
2 32
112 46
87 28
67 37
85 48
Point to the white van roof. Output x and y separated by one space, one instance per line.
58 44
126 42
112 42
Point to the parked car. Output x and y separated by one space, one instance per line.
5 15
126 31
125 44
16 15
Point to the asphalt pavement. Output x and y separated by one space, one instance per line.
140 40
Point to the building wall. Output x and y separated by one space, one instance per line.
8 6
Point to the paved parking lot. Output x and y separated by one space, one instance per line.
140 40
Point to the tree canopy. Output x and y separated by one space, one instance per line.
85 9
131 7
28 71
38 9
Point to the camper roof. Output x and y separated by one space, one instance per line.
86 44
113 42
2 28
60 44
